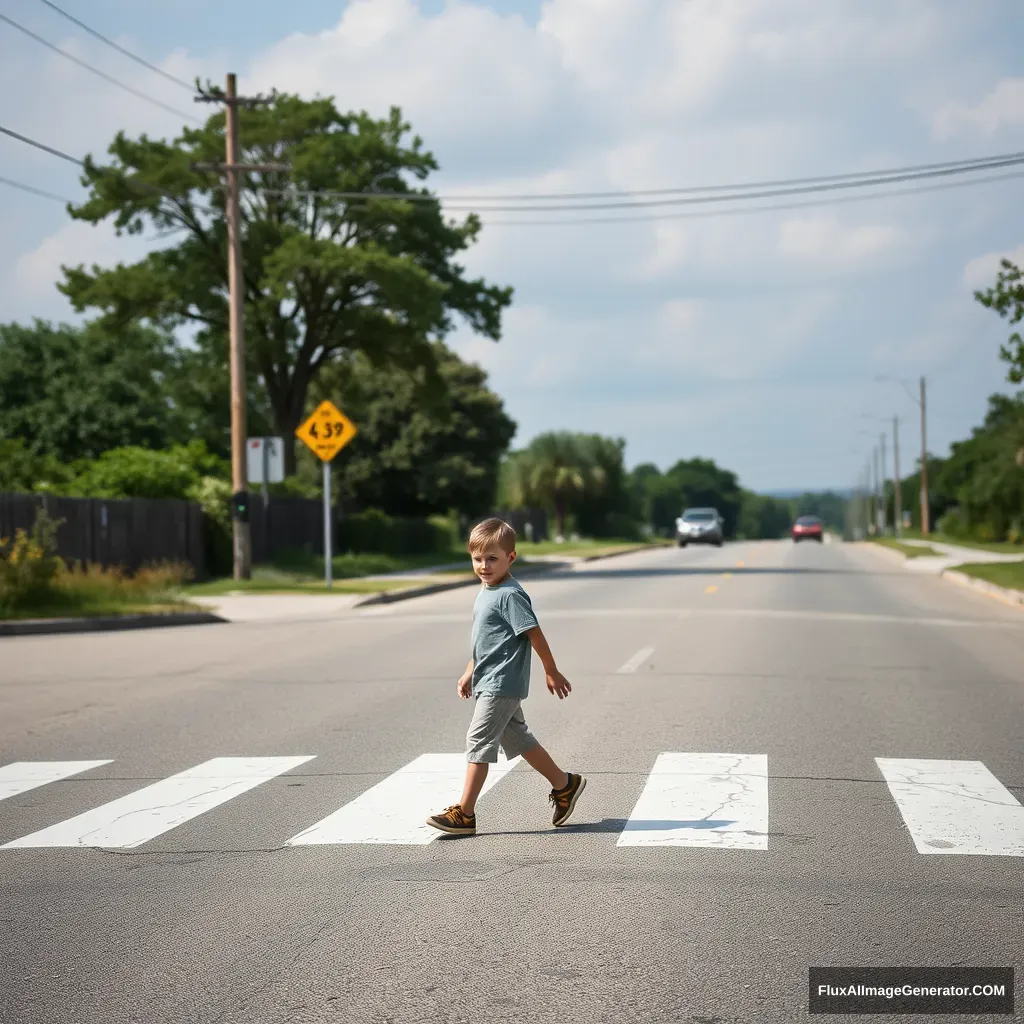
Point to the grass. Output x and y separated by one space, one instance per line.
581 548
910 550
95 592
266 581
1003 574
304 574
998 547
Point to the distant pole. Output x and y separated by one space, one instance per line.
876 500
328 539
881 487
925 511
896 475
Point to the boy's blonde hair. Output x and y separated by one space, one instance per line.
490 532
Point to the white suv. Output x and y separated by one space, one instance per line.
699 526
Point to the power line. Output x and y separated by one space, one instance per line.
41 145
765 208
116 46
96 71
140 187
743 190
33 190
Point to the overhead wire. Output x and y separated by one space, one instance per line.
138 186
96 71
764 208
689 194
31 188
120 49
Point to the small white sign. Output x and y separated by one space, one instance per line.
265 453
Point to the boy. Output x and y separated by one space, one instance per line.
498 677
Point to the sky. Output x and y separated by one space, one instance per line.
754 339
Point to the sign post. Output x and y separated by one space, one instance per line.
325 433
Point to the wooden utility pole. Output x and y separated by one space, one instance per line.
896 475
232 169
925 525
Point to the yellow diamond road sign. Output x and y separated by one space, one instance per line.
327 431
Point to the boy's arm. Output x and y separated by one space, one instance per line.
557 683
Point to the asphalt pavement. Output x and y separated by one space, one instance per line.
796 756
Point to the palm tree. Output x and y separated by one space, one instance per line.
556 471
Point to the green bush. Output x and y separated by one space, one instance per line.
375 531
954 524
29 564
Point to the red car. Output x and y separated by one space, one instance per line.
808 528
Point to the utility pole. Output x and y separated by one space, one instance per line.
896 475
232 169
882 498
877 503
924 463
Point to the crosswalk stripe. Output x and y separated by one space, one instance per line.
637 660
395 810
149 812
955 807
718 800
21 776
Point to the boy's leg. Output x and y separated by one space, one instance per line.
540 759
476 776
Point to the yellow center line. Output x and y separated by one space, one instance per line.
727 575
711 590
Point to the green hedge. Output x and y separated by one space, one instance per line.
377 532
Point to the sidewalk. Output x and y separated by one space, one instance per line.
952 555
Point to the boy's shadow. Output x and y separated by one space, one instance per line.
609 826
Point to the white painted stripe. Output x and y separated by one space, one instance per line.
955 807
22 776
637 660
716 800
140 816
395 810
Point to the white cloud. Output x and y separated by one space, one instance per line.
1002 108
824 241
981 272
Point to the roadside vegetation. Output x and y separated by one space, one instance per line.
1002 574
36 584
910 550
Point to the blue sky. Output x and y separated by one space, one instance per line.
755 339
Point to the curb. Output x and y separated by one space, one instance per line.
536 568
43 627
1015 598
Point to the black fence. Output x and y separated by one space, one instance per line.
133 532
129 533
287 525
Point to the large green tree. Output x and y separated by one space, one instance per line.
1006 297
75 392
418 452
326 274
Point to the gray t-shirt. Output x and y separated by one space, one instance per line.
501 651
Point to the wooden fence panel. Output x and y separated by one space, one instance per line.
124 532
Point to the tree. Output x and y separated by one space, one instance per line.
325 275
763 518
75 392
1006 297
557 471
418 452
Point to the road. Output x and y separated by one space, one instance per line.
691 889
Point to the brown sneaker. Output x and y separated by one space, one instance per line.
454 821
564 800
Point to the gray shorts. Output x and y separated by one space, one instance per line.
497 720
